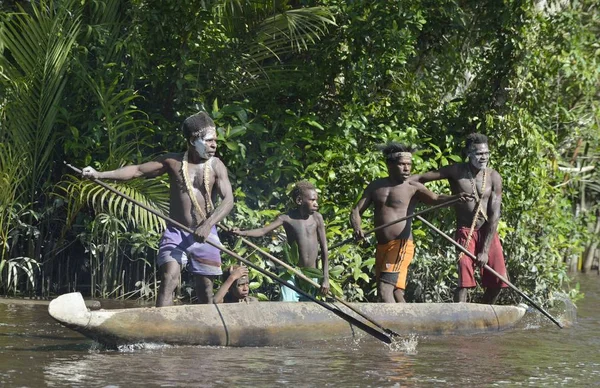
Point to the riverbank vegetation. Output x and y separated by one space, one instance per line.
299 90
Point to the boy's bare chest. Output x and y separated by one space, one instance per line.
306 227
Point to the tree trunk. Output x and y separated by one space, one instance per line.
591 250
589 257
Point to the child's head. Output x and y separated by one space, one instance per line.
240 288
305 196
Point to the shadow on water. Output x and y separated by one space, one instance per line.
56 337
52 348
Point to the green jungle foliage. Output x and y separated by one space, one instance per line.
299 90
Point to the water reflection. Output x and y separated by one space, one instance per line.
36 351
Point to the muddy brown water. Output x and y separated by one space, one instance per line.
35 351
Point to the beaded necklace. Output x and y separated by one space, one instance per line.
198 213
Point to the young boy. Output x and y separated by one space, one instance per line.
235 287
304 227
196 178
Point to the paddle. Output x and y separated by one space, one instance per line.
312 282
488 268
351 239
353 321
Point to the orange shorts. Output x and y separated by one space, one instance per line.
392 260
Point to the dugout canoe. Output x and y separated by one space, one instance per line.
270 323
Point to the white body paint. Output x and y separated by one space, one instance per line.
201 144
479 156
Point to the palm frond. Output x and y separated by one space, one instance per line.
153 193
290 31
123 128
33 66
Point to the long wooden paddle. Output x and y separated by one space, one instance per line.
353 321
488 268
351 239
312 282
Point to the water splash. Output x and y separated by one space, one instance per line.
405 344
567 315
563 309
142 346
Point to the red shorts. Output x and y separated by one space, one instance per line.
466 265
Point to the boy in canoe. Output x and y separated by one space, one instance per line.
477 222
394 197
304 227
196 179
235 287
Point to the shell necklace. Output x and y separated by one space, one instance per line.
478 210
474 185
198 213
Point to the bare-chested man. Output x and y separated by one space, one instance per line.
304 227
394 197
196 178
477 221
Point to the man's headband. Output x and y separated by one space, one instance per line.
399 155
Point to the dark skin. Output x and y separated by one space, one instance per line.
180 204
394 197
458 177
305 227
233 287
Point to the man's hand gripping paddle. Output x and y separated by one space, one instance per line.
353 321
488 268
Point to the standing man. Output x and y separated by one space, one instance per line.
394 197
196 178
477 221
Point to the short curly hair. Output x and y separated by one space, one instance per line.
197 125
300 188
475 138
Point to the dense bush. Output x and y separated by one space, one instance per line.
299 90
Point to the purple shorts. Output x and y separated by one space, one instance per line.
181 247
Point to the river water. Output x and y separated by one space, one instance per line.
35 351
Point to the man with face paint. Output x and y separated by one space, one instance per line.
477 221
197 178
394 197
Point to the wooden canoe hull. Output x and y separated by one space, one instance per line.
270 323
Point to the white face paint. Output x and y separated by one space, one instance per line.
479 156
206 146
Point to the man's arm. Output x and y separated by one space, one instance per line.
355 217
493 213
147 170
235 275
223 187
321 235
435 175
430 198
259 232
